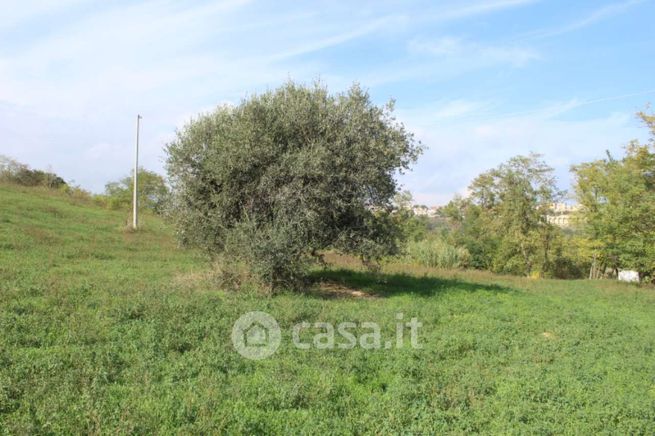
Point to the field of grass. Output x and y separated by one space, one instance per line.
103 330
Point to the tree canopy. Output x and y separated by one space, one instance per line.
617 197
152 193
282 175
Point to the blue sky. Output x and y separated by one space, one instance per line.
477 81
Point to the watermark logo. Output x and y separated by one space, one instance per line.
256 335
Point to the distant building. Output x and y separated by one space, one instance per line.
562 214
430 212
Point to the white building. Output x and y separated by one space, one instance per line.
562 214
430 212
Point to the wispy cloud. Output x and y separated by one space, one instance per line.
337 39
460 12
73 74
461 148
476 53
458 108
21 11
553 110
160 58
595 16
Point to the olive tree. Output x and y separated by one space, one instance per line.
274 180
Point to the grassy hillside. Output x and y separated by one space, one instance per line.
103 330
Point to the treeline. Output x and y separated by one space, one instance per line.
311 179
503 225
17 173
153 190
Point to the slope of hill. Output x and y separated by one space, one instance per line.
105 330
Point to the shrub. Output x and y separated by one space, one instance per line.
437 253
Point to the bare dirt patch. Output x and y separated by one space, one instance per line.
338 290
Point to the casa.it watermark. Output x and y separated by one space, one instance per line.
257 335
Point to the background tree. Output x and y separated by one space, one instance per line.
153 192
412 227
467 229
288 173
504 222
618 206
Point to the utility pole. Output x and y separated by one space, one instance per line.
135 200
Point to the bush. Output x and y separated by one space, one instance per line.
437 253
286 174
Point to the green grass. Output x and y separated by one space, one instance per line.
103 330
